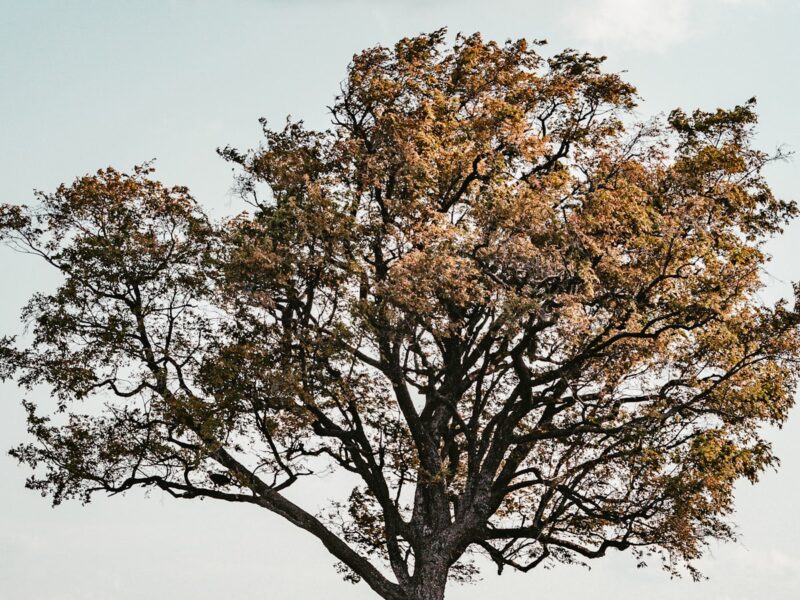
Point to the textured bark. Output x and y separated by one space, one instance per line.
428 592
432 582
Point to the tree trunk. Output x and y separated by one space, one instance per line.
431 580
427 591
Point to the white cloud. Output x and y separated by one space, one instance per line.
646 24
652 25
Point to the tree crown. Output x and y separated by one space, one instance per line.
525 325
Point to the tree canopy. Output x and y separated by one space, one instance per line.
522 323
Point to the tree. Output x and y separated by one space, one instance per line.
523 324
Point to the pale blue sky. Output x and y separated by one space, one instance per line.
87 84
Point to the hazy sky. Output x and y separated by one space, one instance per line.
89 84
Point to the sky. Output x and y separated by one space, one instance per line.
88 84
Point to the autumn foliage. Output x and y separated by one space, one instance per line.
522 323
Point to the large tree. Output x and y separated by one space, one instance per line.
517 322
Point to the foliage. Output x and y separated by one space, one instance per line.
528 326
